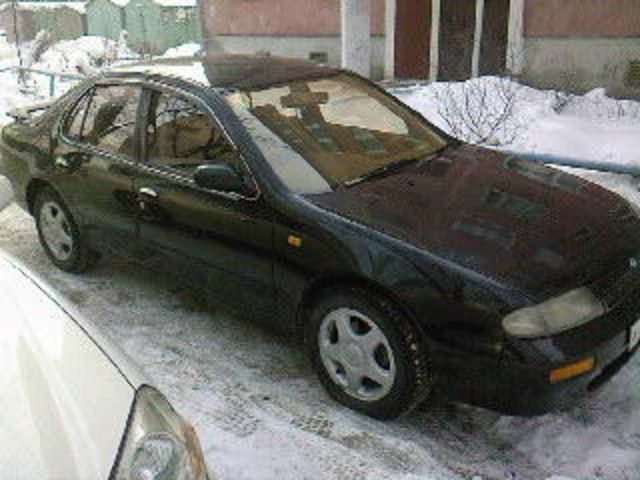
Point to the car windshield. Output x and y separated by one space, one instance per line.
321 134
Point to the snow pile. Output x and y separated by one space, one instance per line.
77 58
184 50
12 96
488 110
591 127
596 105
7 51
85 55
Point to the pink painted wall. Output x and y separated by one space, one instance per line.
582 18
279 17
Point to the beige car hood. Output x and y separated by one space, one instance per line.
63 402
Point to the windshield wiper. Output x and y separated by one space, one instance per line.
381 172
391 168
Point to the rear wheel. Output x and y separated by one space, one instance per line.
367 355
59 233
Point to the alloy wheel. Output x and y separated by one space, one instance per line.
356 354
56 231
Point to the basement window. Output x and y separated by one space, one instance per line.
319 57
633 73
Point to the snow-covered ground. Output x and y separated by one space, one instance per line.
257 406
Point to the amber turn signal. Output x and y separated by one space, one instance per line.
294 241
572 370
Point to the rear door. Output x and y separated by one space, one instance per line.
218 240
94 157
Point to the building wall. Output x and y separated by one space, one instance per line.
578 45
582 18
153 28
104 19
296 47
279 17
63 23
298 29
24 27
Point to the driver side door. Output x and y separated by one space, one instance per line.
217 240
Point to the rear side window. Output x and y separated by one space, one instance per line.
106 118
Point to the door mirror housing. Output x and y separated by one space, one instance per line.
219 177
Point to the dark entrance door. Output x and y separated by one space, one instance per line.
413 27
455 49
494 37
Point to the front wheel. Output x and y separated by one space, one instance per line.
367 355
59 233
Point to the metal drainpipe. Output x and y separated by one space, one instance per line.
607 167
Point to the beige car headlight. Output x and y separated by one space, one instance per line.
554 316
159 444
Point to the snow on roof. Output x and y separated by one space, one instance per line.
185 69
162 3
176 3
36 5
117 3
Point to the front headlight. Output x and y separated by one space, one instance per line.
158 443
554 316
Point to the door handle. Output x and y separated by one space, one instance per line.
62 162
71 161
148 192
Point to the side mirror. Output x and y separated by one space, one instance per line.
219 177
6 192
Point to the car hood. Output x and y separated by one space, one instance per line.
64 405
528 226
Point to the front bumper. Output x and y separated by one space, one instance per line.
528 391
519 382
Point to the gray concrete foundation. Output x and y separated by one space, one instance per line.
581 64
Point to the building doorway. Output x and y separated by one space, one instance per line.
455 44
460 46
495 37
412 38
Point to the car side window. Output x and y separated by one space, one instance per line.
106 118
181 136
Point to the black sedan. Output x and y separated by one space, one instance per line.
308 196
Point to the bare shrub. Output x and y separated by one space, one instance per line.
479 111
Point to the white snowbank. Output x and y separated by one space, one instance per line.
184 50
7 51
80 57
590 127
84 55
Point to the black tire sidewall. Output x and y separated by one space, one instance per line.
77 260
388 319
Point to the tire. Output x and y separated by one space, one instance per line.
59 233
367 355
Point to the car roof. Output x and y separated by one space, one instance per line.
243 72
